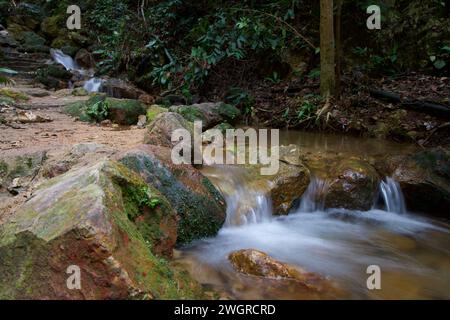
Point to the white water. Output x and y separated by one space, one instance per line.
66 61
337 243
91 85
392 196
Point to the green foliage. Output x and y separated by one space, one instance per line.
307 108
207 40
4 80
98 111
275 79
242 99
110 19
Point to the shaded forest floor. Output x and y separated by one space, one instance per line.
296 104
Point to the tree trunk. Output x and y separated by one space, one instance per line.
338 26
327 51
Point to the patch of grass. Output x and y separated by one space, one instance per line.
16 95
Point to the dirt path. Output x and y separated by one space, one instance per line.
56 138
64 131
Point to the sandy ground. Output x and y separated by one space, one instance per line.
55 137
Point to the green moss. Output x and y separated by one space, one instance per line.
229 112
79 92
32 42
125 111
190 113
12 94
153 111
224 127
197 212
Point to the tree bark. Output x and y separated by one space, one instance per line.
339 53
327 50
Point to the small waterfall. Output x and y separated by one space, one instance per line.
246 204
314 197
247 207
66 61
392 196
91 85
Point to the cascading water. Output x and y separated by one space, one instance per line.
392 196
336 243
314 197
66 61
91 85
245 205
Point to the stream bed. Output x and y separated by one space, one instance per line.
411 250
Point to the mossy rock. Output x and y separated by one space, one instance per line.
190 113
80 92
153 111
52 26
31 42
61 42
68 49
84 110
125 111
159 131
81 219
78 110
210 114
200 207
53 76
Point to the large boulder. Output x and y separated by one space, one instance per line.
209 113
90 219
200 207
353 184
53 26
424 178
84 59
99 107
159 131
53 76
124 111
32 42
122 89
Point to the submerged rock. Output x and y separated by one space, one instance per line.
287 186
257 263
103 220
199 206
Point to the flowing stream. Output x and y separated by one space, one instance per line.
412 251
91 84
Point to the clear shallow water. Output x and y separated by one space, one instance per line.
412 251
